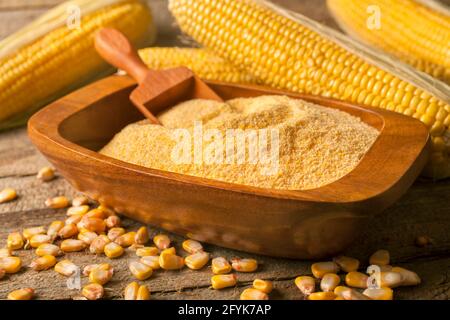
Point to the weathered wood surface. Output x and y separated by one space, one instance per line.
424 210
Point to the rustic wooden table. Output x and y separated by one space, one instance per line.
424 210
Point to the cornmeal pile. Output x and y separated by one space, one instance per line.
268 142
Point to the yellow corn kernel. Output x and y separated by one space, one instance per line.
354 295
8 194
263 285
5 252
103 266
43 263
126 239
131 291
39 239
10 264
113 250
78 210
161 241
423 241
253 294
21 294
170 250
66 268
169 261
147 251
80 201
389 279
97 214
98 244
329 282
2 273
143 293
379 293
48 249
380 258
54 228
100 276
68 231
72 245
221 281
108 211
220 265
192 246
339 290
57 202
93 291
322 296
29 232
339 298
112 222
409 278
319 269
74 219
356 279
306 284
140 270
135 246
46 174
87 236
197 260
96 225
142 236
114 233
14 241
244 265
151 261
347 264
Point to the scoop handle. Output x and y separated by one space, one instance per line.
115 48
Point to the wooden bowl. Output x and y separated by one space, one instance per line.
286 223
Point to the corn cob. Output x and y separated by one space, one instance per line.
32 59
410 30
203 62
289 51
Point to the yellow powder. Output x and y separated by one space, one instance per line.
316 145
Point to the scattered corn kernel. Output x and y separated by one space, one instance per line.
161 241
21 294
390 279
220 265
169 261
423 241
379 293
354 295
409 278
329 282
93 291
356 279
29 232
114 233
126 239
5 252
142 236
43 263
319 269
80 201
54 228
140 270
46 174
322 296
97 213
372 268
263 285
87 269
131 291
74 219
192 246
170 250
8 194
100 276
151 261
98 244
108 211
2 273
96 225
68 231
347 264
87 236
39 239
221 281
48 249
72 245
113 250
15 241
306 284
10 264
147 251
135 246
253 294
197 260
244 265
339 290
380 258
143 293
66 268
113 222
78 210
57 202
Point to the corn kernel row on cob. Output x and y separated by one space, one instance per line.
203 62
289 51
407 29
51 57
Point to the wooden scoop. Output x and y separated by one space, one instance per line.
158 89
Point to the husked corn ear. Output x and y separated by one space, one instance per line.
409 278
192 246
8 194
48 249
93 291
162 241
68 231
143 293
126 239
379 293
66 268
169 261
409 30
203 62
10 264
113 250
220 265
263 285
98 244
87 236
114 233
29 232
147 251
289 51
57 202
253 294
100 276
72 245
329 282
319 269
197 260
347 264
322 296
39 239
43 263
244 265
151 261
80 201
21 294
140 270
78 210
380 258
14 241
356 279
31 68
46 174
306 284
221 281
142 236
54 228
112 222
